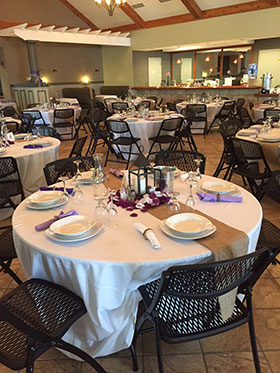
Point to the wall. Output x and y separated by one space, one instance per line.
117 65
47 12
141 66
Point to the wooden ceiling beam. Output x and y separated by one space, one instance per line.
134 16
193 8
78 14
210 13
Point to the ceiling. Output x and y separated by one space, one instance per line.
141 14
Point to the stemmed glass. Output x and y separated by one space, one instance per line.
197 172
78 176
173 203
64 179
112 210
192 182
100 194
77 195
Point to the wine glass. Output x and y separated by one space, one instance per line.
100 194
197 172
173 203
112 210
65 192
78 176
77 195
192 182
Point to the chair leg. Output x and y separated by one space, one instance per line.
6 269
158 347
83 355
134 358
253 335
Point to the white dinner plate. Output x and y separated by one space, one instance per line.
72 226
218 187
58 203
188 224
197 236
45 197
3 151
43 143
247 132
20 136
268 139
90 233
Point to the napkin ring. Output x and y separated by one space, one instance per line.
146 231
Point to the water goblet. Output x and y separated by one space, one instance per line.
78 176
112 210
192 182
65 192
197 172
77 195
173 203
100 194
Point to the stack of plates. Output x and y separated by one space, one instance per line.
187 226
220 187
73 228
44 200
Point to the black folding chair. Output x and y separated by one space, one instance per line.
119 106
64 119
82 121
184 160
185 133
167 134
226 112
36 115
272 187
155 98
34 318
183 305
66 167
77 147
273 113
121 137
10 111
196 114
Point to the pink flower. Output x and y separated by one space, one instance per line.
168 73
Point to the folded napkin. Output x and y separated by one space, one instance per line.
148 234
209 197
48 223
32 146
117 173
60 189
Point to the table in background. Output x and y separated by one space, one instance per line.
5 102
30 164
258 110
71 101
107 269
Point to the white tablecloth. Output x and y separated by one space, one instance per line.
71 101
30 163
258 110
5 102
107 270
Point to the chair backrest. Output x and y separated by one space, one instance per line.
108 103
226 109
97 115
240 102
64 114
78 147
195 113
244 117
10 111
118 127
65 167
145 103
229 128
194 290
182 159
272 186
244 151
34 104
153 98
273 113
5 200
119 106
170 125
36 115
224 98
10 177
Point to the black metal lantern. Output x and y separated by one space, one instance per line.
141 176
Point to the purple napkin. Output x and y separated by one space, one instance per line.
32 146
117 173
60 189
209 197
47 224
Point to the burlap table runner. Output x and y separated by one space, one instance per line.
226 243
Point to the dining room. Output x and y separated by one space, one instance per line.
139 186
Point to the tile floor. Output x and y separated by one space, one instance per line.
226 353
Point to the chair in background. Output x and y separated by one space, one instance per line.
182 159
64 119
121 137
185 134
33 105
183 305
248 156
66 167
197 114
239 104
273 113
227 129
119 106
97 132
36 115
226 112
27 122
77 148
153 98
167 135
244 116
34 318
10 111
12 126
7 248
269 237
144 103
10 180
224 98
82 121
272 187
171 106
108 104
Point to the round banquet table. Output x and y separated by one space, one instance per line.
107 269
258 110
271 149
30 164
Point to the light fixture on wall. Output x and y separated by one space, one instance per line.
235 61
45 80
207 59
179 61
211 70
85 80
241 56
110 5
